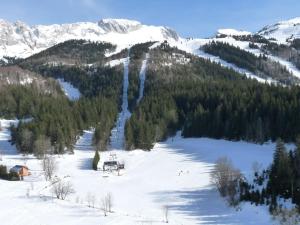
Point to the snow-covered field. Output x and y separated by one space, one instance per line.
175 173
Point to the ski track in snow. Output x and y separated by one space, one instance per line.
226 64
117 133
143 78
70 91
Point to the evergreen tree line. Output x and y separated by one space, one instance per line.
261 66
137 55
255 38
288 52
90 81
280 180
72 51
95 81
56 119
205 99
56 122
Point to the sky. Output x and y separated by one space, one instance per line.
190 18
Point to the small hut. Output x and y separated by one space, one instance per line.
22 171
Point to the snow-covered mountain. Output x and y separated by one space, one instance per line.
283 31
232 32
21 40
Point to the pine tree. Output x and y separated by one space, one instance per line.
281 172
96 160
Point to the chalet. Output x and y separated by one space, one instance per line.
22 171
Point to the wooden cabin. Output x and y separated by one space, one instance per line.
22 171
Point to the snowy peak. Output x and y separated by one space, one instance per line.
284 31
119 25
21 40
232 32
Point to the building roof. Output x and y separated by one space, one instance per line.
17 168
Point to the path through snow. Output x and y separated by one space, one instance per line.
69 90
143 78
117 133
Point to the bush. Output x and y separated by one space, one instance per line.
3 172
13 176
227 180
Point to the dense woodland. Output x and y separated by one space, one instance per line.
137 55
55 120
261 66
201 99
182 92
280 180
73 52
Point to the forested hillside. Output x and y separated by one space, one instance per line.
72 52
205 99
182 92
137 54
261 66
56 120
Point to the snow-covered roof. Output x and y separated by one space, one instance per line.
17 168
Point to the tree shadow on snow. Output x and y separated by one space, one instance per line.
206 206
85 164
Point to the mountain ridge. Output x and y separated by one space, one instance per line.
18 39
22 40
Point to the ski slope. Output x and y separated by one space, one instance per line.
175 173
70 91
117 133
143 78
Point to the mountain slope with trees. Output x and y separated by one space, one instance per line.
205 99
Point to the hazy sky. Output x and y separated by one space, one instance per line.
191 18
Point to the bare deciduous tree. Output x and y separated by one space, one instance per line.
41 147
62 189
227 179
49 166
286 216
109 200
89 199
165 209
104 206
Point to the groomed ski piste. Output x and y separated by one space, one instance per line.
117 133
176 174
70 91
143 78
